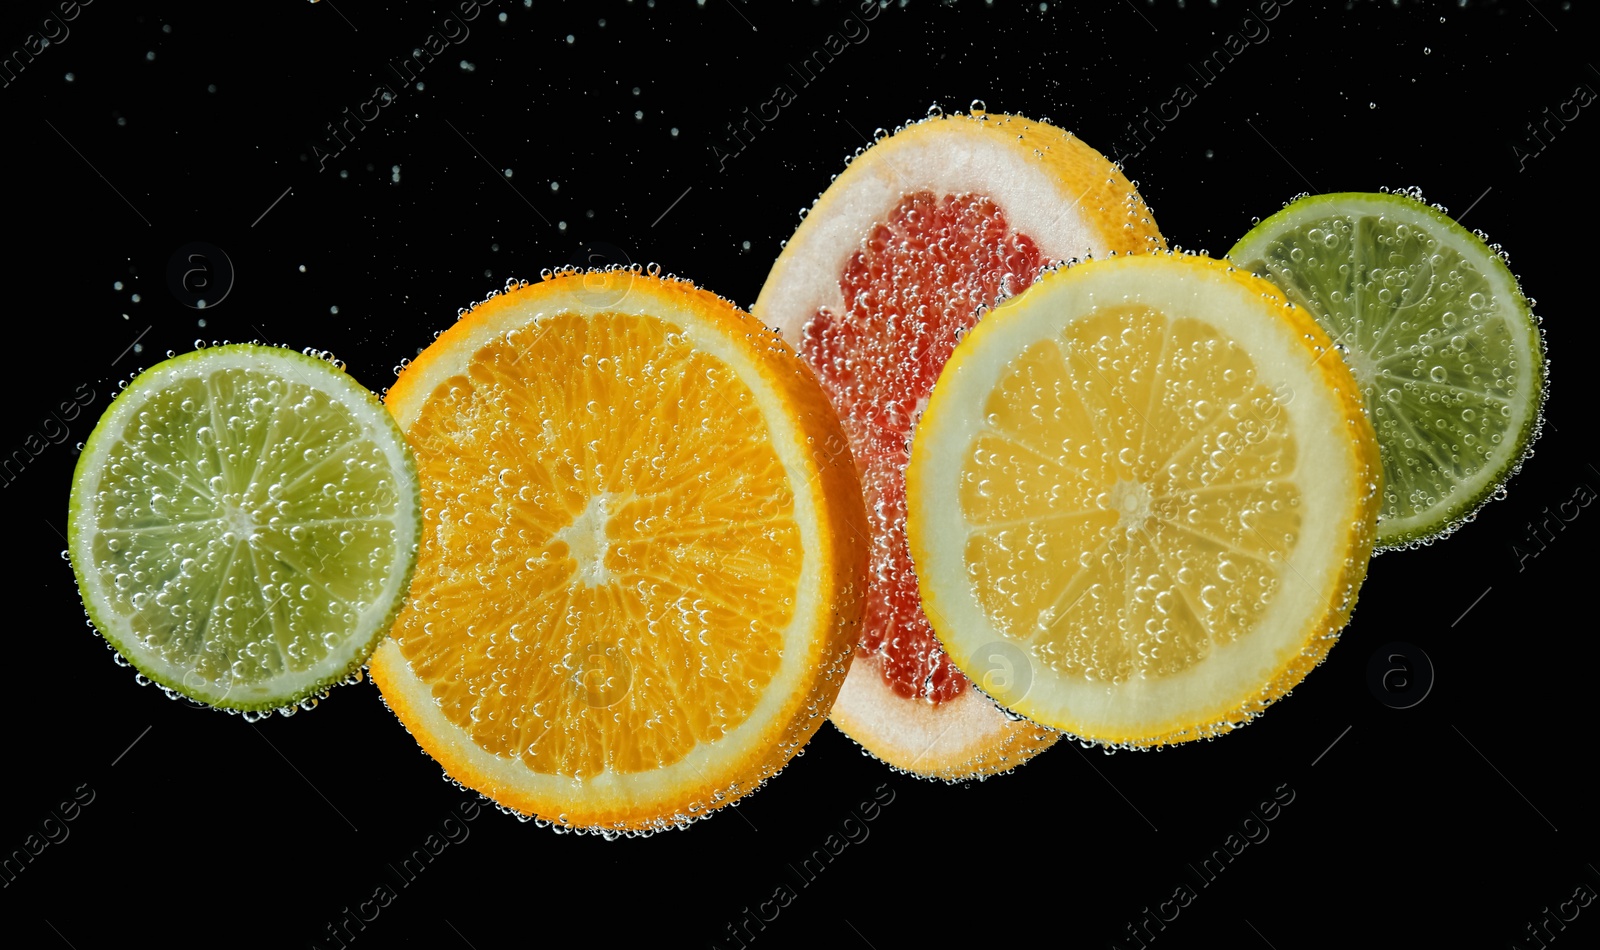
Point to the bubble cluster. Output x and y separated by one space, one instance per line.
918 282
1442 358
245 532
1130 495
609 554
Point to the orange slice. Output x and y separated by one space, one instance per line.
643 555
889 268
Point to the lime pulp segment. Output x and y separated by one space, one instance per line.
244 524
1436 332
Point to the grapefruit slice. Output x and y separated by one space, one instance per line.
891 266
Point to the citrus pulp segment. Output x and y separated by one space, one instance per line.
1438 334
243 525
1141 480
643 553
892 264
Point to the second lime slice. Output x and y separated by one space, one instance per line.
1436 332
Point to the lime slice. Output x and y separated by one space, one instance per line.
244 525
1437 333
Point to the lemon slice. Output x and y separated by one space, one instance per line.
243 526
1151 479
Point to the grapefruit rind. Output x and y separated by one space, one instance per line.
1329 402
1074 203
972 737
1038 174
819 642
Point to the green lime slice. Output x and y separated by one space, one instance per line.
243 526
1436 331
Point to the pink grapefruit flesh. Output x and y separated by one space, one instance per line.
893 263
913 290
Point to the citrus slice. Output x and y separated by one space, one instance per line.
243 526
642 558
889 268
1436 331
1141 479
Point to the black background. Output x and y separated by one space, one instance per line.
152 125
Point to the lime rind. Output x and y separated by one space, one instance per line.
1457 394
346 657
